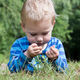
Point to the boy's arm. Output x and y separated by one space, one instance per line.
60 62
17 59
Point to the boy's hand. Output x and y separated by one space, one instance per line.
33 50
53 53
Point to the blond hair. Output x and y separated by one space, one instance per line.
37 9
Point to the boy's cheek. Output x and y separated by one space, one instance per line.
31 39
47 39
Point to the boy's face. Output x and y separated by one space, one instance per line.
38 32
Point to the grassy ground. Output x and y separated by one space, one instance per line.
46 74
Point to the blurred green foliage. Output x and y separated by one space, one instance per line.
73 46
66 27
9 23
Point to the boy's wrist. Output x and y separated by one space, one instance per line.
27 54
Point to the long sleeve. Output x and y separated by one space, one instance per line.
61 62
18 60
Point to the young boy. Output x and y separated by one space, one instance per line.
38 47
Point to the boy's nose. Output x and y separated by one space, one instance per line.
39 39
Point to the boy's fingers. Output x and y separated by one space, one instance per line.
34 53
37 48
53 46
55 51
37 51
40 52
48 54
34 45
52 53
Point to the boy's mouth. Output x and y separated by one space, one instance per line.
40 44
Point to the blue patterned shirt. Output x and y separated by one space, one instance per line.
18 61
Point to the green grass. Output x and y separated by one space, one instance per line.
45 74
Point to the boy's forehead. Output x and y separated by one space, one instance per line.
39 29
41 24
36 22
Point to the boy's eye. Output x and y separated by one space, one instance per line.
45 33
33 34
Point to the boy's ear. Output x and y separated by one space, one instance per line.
53 21
23 27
